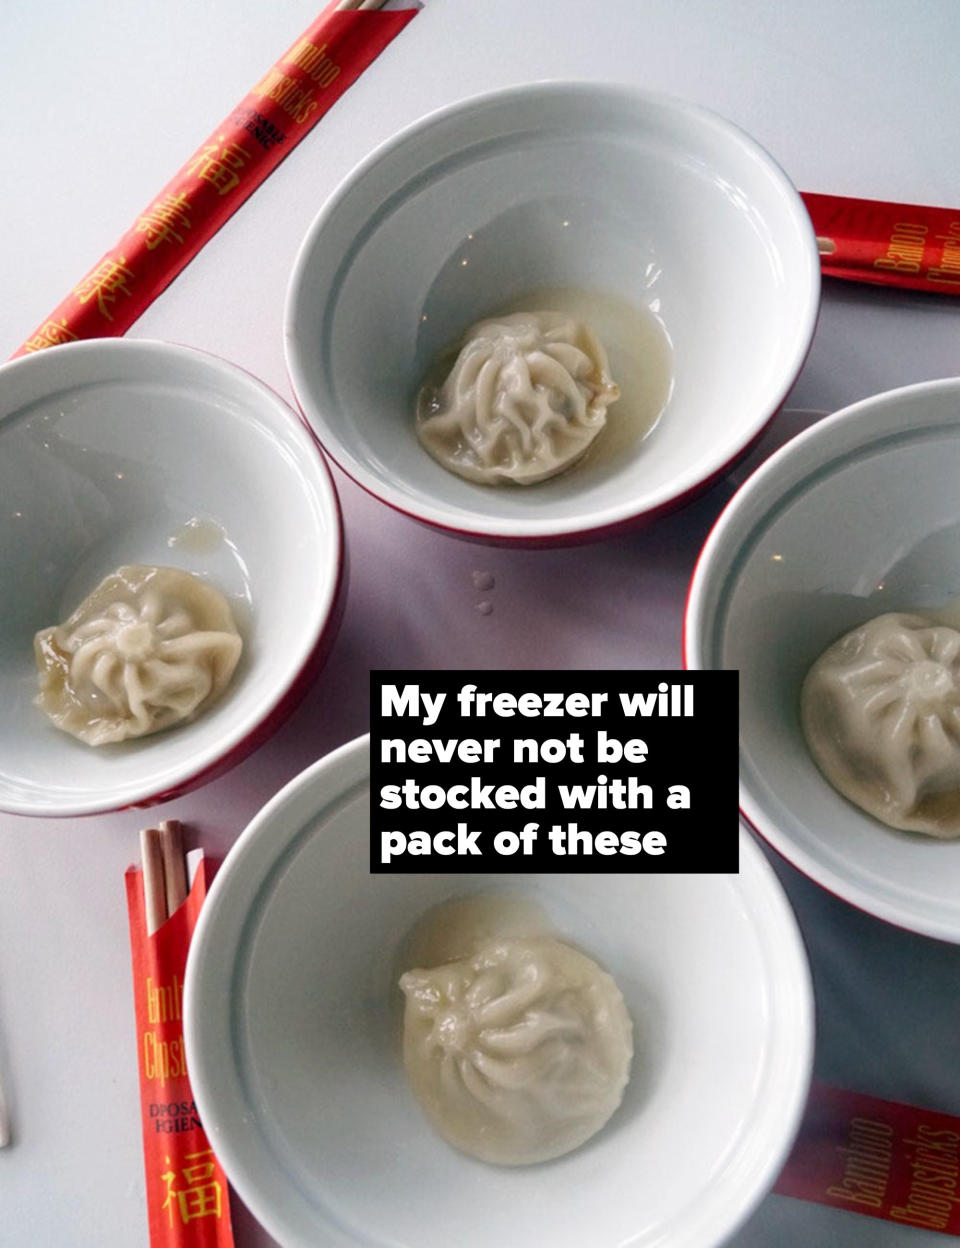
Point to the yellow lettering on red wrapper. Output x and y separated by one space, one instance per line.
296 101
935 1180
905 249
50 334
313 60
105 282
868 1157
220 166
163 1060
163 220
164 1001
948 269
201 1195
169 1179
163 1057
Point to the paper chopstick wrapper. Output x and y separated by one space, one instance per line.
224 171
887 244
880 1158
188 1202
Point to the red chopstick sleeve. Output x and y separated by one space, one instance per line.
221 174
188 1200
887 244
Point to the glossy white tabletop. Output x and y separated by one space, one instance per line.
103 101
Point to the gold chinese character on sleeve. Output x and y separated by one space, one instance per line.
50 334
105 282
201 1195
220 165
163 221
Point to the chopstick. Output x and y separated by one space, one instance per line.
164 872
174 864
154 886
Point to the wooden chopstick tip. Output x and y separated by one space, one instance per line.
174 864
154 883
165 884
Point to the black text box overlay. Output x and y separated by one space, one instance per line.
553 771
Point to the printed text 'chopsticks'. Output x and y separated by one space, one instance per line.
883 1159
224 171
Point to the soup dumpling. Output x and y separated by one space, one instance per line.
518 1053
880 711
147 649
526 396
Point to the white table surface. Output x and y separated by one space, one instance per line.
102 101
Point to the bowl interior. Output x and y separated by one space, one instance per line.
856 517
596 188
293 1030
107 450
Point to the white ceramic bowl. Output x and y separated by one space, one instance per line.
601 187
857 516
292 1018
107 448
